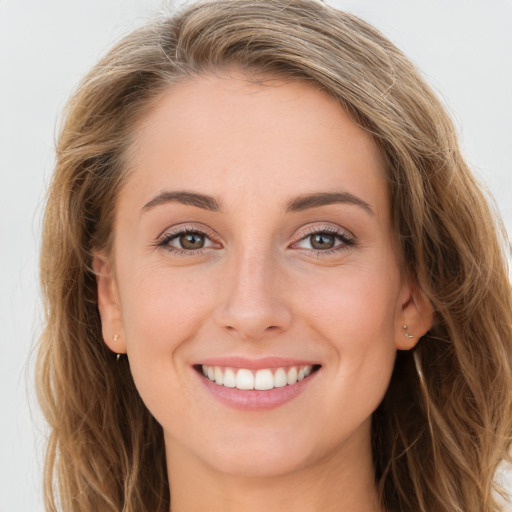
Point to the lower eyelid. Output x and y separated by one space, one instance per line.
342 244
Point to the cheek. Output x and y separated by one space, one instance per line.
355 304
162 312
355 314
161 306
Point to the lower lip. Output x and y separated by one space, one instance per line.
254 400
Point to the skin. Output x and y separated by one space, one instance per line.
257 288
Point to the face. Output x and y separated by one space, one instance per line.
253 244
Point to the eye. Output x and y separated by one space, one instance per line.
190 241
322 241
186 241
325 241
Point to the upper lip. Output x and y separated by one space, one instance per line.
255 364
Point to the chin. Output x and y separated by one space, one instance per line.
265 454
254 464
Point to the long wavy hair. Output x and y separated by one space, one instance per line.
437 440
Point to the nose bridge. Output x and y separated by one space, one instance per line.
253 302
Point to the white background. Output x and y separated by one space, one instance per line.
464 48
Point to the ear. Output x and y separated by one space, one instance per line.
112 325
415 317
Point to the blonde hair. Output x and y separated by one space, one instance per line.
438 440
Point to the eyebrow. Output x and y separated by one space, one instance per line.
315 200
299 204
188 198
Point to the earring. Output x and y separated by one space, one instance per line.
406 334
116 338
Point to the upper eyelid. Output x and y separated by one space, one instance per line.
325 229
322 229
347 239
207 231
185 228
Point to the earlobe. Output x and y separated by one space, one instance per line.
414 320
108 303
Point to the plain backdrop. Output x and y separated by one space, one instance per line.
463 47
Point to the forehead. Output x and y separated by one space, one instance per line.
226 134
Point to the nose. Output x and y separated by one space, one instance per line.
254 301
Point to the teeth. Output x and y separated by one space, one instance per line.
244 379
291 378
219 378
280 378
263 380
229 378
260 380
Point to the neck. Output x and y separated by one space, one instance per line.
330 484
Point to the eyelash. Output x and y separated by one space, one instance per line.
165 240
347 241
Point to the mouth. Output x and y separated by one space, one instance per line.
262 379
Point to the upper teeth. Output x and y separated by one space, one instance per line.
261 379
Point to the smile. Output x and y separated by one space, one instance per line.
256 384
261 380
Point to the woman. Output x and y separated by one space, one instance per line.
271 280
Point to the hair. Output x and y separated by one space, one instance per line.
437 440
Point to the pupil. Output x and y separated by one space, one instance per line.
322 241
192 241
